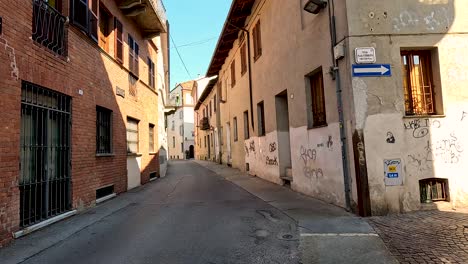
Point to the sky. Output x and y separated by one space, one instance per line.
195 26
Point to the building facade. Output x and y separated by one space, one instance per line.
360 104
181 131
80 115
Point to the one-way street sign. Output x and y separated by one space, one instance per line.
372 70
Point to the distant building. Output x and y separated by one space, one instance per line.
180 124
361 104
80 82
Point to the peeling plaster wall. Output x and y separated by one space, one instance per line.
427 146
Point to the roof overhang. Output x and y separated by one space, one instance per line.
206 92
238 13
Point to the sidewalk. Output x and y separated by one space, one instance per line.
328 234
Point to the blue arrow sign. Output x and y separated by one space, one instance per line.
372 70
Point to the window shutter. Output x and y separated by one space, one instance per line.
118 40
79 14
136 58
93 19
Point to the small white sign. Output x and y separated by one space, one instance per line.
392 172
364 55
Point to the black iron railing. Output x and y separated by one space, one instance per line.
49 27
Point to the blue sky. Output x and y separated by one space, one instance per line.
195 27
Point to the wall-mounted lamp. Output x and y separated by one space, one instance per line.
314 6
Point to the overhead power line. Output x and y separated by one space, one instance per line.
195 43
180 57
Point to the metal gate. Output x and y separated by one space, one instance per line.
45 154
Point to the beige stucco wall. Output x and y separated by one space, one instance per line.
379 102
294 43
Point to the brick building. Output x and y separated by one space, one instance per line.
79 106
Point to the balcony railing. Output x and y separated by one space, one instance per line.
204 123
49 27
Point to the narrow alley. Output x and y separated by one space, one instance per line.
204 213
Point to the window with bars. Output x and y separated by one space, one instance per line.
233 73
261 118
133 55
132 85
243 55
105 26
151 138
103 130
418 83
151 74
316 100
257 41
434 189
132 135
118 31
234 122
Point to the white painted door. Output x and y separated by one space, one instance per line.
133 172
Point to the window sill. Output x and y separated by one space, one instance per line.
423 116
134 154
105 155
314 127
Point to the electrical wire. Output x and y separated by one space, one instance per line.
180 57
195 43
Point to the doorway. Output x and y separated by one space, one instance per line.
228 143
45 175
209 147
284 143
191 152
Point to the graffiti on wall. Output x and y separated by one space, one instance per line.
464 114
329 143
272 161
309 156
431 20
447 150
420 127
252 146
390 138
273 147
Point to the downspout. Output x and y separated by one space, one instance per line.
339 96
249 72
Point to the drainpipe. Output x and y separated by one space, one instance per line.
339 96
249 72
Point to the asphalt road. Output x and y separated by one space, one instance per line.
198 217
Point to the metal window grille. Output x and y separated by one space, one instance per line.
151 138
132 85
45 175
417 82
103 130
433 190
318 99
49 27
132 135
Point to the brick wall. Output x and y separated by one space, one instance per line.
89 69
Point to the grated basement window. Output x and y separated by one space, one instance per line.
434 189
104 191
153 175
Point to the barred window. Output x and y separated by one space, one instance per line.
103 130
261 118
132 135
246 125
434 189
234 121
418 82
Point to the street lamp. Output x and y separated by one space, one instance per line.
314 6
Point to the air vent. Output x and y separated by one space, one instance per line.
104 191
